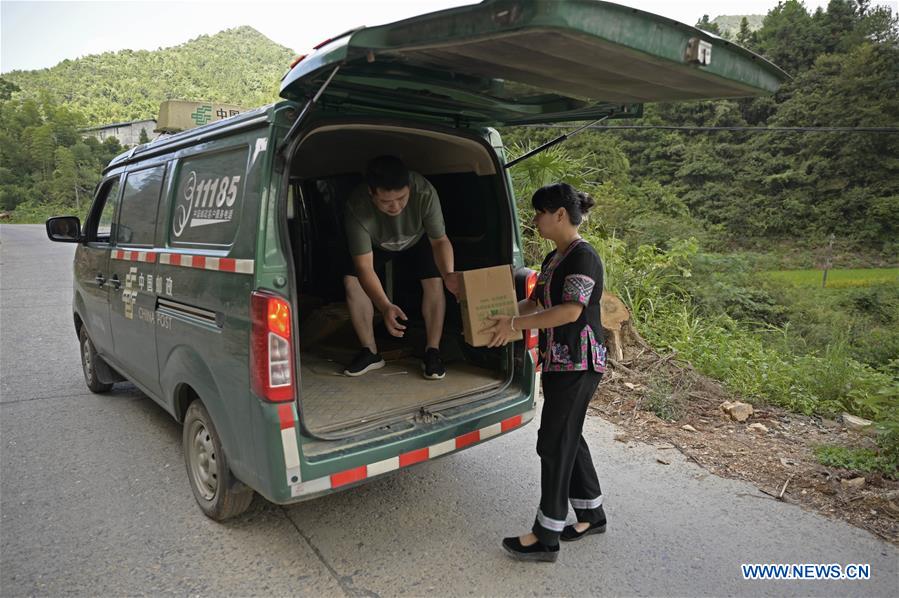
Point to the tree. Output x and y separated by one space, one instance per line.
7 88
706 25
745 36
41 147
65 178
789 37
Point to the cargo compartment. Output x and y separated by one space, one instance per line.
327 166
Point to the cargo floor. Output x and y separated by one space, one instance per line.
331 400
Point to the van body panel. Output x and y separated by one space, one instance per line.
528 61
91 301
207 252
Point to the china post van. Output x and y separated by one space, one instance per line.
205 270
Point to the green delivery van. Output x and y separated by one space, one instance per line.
205 270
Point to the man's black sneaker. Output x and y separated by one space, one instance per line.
432 365
534 552
364 361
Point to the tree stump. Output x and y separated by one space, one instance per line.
614 315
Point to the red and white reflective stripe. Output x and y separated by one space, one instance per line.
200 262
288 418
362 472
134 256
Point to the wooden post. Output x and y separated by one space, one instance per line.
827 260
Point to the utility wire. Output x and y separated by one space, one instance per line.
886 130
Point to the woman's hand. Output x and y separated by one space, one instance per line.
501 330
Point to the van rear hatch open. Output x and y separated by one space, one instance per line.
507 62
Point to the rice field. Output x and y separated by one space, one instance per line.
837 278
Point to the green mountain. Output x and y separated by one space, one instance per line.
237 66
730 24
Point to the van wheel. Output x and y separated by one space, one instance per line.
89 359
219 494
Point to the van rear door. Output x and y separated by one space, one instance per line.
506 62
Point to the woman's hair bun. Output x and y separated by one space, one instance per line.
585 202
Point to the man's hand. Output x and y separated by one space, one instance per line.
392 314
453 282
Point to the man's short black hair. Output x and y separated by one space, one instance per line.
386 172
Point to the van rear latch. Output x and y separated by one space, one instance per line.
426 417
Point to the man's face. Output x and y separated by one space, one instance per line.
390 202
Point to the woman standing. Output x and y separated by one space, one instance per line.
565 307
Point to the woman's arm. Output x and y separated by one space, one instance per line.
548 318
526 307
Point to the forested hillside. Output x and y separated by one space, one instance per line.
238 66
45 165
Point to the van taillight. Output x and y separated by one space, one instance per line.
271 350
531 338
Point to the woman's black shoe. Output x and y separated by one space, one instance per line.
570 534
534 552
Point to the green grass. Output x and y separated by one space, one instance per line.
856 459
841 278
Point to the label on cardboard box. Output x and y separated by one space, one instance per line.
486 292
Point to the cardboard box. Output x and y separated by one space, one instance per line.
486 292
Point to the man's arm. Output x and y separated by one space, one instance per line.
445 260
443 255
371 284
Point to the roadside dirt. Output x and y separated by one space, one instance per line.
780 461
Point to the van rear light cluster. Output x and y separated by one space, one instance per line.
271 350
531 336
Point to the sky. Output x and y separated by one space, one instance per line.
37 35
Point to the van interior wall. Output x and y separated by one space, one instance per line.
325 170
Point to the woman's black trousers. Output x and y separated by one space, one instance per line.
567 474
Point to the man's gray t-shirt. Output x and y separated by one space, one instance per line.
368 227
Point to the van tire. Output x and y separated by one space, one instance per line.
219 494
89 362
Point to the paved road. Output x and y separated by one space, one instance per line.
94 500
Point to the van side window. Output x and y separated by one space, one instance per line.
140 202
208 199
100 224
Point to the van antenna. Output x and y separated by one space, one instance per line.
555 141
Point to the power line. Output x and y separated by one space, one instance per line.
886 130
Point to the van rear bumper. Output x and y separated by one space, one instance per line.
290 477
357 475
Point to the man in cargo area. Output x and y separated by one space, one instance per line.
395 216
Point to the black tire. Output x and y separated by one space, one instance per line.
219 494
89 359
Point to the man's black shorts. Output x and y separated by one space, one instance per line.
417 260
